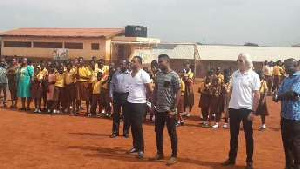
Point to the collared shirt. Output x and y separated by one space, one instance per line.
84 74
70 76
59 80
278 71
3 76
137 89
243 86
167 85
290 109
119 83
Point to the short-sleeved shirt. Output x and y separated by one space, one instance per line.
59 80
167 85
137 89
278 71
84 73
243 86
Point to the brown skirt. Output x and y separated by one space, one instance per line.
277 80
36 90
215 104
70 92
59 94
262 108
83 91
269 80
204 102
180 106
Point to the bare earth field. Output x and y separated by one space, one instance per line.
62 141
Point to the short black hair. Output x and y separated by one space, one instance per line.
140 60
164 56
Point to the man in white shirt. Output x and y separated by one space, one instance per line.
139 90
242 107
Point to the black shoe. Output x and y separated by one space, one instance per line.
114 135
132 151
228 163
158 157
249 165
140 155
126 135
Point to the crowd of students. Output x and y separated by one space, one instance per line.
61 87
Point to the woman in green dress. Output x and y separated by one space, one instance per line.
24 77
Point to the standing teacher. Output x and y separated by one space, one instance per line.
242 107
289 95
24 77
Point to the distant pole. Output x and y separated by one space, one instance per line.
195 59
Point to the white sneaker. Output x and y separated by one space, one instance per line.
188 115
215 126
49 111
225 126
35 110
54 111
57 111
39 111
262 127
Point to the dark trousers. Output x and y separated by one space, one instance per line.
290 132
136 112
161 119
119 105
236 116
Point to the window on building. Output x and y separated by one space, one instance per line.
47 44
17 44
95 46
73 45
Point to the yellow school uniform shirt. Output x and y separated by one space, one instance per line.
84 74
70 76
264 87
182 87
44 72
59 80
220 78
104 70
277 71
97 87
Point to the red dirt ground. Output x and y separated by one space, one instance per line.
62 141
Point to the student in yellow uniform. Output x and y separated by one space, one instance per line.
70 81
36 89
59 88
180 106
262 109
83 77
96 98
277 75
220 76
44 77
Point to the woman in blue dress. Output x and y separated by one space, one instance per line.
24 77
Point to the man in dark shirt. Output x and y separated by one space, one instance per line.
167 88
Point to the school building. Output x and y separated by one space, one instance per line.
109 44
